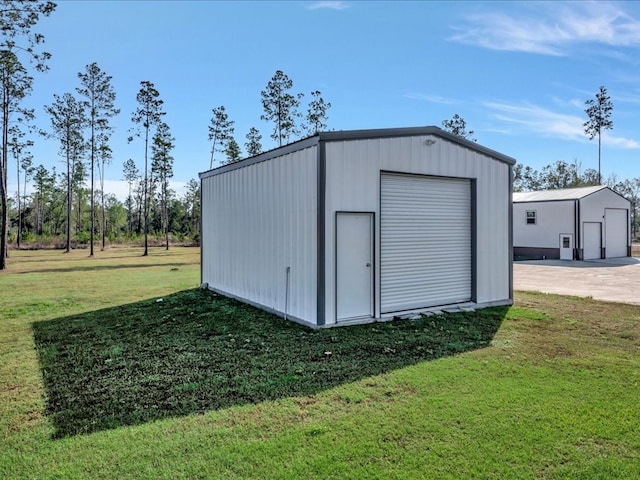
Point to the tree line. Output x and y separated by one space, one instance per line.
561 174
71 207
73 204
44 214
282 108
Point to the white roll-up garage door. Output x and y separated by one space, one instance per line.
425 251
615 227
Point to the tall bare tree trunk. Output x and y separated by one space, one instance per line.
93 212
3 184
104 219
19 209
146 195
165 214
69 201
599 150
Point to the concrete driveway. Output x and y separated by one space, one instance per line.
614 280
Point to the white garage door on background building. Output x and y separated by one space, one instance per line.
425 251
615 232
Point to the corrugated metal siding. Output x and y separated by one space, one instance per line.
556 217
552 219
257 221
353 184
493 249
592 207
425 237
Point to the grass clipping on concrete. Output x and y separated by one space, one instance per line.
99 379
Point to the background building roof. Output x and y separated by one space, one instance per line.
558 194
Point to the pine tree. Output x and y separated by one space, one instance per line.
67 121
147 116
220 130
253 145
23 158
317 113
103 158
44 182
599 112
233 152
100 105
131 176
281 107
79 179
17 20
192 206
458 126
162 168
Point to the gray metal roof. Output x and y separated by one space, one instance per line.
413 131
341 135
556 195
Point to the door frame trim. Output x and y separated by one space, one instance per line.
372 215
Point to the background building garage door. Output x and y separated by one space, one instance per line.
615 228
425 251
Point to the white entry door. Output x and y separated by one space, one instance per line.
354 265
591 240
566 246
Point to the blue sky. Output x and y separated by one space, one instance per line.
517 72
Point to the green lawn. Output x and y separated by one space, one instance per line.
118 367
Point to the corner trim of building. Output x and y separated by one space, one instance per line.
510 234
321 240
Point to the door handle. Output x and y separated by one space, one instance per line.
368 264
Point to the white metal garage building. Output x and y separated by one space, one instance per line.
354 226
573 223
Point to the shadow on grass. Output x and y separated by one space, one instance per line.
198 351
95 268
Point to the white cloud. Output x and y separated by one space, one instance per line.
577 103
551 28
628 97
620 142
527 118
433 98
331 5
531 118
